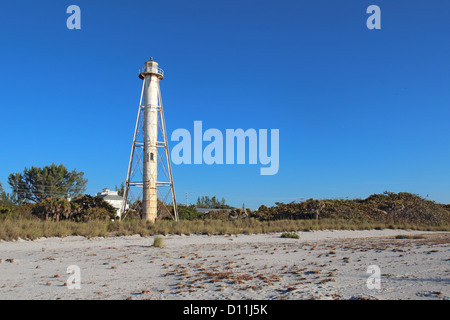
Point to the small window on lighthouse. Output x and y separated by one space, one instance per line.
151 156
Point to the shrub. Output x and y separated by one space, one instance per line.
292 235
386 208
7 209
188 213
93 208
54 209
86 208
96 213
158 242
402 236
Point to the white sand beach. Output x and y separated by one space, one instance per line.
319 265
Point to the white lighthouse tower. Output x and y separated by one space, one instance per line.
150 126
151 75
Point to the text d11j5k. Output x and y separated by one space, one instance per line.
247 309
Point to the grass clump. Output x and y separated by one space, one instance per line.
291 235
158 242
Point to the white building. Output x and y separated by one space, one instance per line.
113 198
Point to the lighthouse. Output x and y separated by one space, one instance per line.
151 124
151 76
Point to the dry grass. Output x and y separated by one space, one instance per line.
158 242
30 229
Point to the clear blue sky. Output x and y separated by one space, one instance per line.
359 111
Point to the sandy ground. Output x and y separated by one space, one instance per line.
319 265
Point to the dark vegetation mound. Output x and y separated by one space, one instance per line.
388 207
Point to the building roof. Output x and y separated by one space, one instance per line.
206 210
111 197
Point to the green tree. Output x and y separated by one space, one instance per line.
18 187
211 203
120 190
36 184
3 195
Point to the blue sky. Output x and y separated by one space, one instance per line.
359 111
